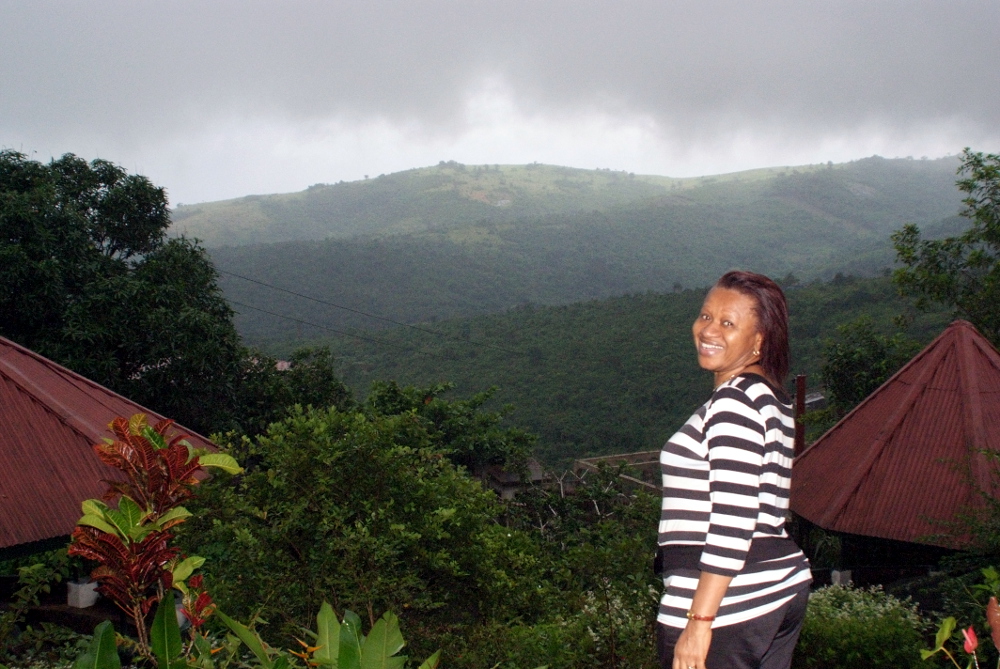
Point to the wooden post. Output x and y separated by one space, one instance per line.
800 408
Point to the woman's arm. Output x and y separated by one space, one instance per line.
735 430
692 646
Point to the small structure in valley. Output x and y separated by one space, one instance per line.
913 456
50 418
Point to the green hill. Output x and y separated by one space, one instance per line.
418 199
812 222
451 193
606 376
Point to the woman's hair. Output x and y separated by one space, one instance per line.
772 319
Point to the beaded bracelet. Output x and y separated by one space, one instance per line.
691 615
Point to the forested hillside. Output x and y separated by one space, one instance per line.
605 376
813 223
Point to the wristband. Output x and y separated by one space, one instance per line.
691 615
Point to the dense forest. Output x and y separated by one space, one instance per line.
813 223
603 376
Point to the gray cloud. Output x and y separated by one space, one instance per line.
134 75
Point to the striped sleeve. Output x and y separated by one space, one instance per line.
735 433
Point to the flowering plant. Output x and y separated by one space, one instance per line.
970 640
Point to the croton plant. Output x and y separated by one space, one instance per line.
131 543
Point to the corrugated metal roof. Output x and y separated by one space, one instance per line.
910 456
50 418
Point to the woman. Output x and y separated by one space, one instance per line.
735 585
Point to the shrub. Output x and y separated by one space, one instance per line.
848 627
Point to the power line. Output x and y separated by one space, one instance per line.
364 313
341 332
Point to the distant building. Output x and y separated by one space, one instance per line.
508 484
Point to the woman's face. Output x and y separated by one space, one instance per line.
726 334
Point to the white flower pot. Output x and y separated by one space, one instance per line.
81 595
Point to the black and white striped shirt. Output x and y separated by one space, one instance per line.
726 479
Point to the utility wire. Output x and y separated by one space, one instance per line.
364 313
341 332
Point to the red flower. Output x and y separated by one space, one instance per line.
971 642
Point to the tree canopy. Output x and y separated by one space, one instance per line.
961 271
89 278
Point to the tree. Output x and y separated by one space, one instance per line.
855 364
89 278
473 438
359 509
962 272
859 361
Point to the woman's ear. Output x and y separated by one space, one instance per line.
758 342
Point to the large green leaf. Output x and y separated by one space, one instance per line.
132 513
178 512
351 640
944 632
251 640
226 463
327 637
165 635
94 507
383 642
102 652
98 522
186 567
120 521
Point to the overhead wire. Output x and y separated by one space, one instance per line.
436 333
341 332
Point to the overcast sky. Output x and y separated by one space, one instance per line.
217 99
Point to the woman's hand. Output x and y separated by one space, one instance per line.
692 645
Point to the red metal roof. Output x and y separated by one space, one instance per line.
905 459
49 419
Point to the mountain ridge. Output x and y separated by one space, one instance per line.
424 198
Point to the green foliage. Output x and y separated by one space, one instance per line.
471 437
362 509
35 580
165 635
338 645
368 510
102 652
961 272
855 364
89 279
612 376
860 360
848 627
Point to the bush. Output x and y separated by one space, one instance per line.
849 627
